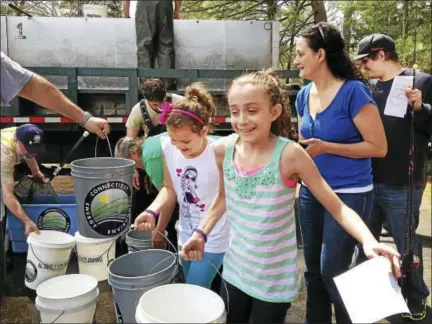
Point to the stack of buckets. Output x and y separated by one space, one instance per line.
103 188
103 201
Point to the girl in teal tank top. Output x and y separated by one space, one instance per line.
258 169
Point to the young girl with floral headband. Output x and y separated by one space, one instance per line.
191 178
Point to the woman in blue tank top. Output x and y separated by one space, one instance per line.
340 126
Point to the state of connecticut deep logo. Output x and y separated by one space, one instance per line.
107 207
54 219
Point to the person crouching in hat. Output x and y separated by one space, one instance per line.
19 143
378 56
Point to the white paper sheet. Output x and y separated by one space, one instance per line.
370 293
397 101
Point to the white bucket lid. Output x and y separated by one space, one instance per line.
51 239
188 304
67 286
88 240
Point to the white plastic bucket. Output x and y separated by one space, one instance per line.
187 304
67 299
94 11
48 256
94 255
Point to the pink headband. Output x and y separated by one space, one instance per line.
168 107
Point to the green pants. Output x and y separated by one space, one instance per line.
155 35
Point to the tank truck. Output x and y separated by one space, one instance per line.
93 61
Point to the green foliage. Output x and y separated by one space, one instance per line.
65 8
293 15
409 23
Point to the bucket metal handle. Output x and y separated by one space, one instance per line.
109 144
211 264
178 254
43 263
172 245
74 309
61 314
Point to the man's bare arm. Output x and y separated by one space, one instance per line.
45 94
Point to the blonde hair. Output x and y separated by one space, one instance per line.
125 145
123 149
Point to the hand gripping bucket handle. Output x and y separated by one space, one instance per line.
178 261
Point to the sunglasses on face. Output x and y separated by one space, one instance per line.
321 33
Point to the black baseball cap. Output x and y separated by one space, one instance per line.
31 137
374 43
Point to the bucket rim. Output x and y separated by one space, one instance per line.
40 304
137 239
79 238
110 274
87 285
141 311
33 239
130 164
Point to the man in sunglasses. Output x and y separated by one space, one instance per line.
379 58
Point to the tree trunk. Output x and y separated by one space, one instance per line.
271 9
291 49
405 28
320 13
347 26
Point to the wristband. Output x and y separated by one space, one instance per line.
87 116
201 232
155 215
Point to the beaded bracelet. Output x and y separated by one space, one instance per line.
201 232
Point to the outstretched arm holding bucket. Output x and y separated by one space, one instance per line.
18 81
296 162
161 206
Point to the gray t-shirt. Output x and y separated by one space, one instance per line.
13 78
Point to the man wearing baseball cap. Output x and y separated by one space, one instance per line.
17 144
18 81
379 58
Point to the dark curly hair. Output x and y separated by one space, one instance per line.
153 89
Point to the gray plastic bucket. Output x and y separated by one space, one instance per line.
103 188
141 240
131 275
